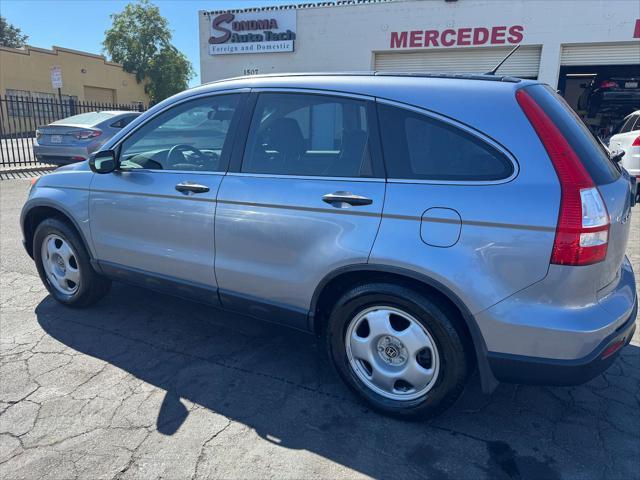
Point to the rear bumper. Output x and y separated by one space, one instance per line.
543 371
620 97
60 155
553 332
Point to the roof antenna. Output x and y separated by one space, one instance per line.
495 69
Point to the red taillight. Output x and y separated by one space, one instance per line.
582 233
608 84
611 349
86 134
636 142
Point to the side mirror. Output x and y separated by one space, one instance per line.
616 155
103 162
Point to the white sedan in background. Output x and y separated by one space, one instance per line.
627 138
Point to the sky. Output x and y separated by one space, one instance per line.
80 24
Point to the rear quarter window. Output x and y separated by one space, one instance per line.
419 147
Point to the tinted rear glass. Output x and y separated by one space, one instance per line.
310 135
419 147
90 118
593 155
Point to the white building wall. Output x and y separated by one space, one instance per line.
346 37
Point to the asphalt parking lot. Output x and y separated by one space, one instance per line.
147 386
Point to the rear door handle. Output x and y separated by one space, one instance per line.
337 198
190 187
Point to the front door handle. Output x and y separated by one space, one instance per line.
190 187
336 199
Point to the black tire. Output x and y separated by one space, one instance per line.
439 321
91 287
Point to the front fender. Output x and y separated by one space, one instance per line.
67 196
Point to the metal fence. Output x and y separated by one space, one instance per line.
21 116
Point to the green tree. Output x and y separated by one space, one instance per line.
170 72
11 36
140 39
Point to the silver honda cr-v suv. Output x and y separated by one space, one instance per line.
422 225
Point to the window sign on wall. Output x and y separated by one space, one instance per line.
252 32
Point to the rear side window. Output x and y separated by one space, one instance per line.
308 135
419 147
590 151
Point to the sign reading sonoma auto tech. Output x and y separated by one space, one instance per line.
253 32
458 37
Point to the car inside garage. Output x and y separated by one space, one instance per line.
601 82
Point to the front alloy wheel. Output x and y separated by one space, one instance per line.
64 264
60 264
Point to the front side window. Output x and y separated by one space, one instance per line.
419 147
189 136
308 135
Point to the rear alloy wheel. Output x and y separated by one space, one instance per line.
400 350
392 353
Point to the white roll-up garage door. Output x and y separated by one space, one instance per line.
523 63
627 53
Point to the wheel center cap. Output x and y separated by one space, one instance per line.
392 351
60 263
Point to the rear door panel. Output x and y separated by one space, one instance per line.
276 238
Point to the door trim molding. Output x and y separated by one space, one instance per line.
261 309
162 283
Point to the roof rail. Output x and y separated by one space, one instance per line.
461 76
458 76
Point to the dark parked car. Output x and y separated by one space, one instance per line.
610 94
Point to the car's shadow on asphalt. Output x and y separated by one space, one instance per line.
275 381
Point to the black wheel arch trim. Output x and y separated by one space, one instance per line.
64 211
487 379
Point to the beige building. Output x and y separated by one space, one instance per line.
86 77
